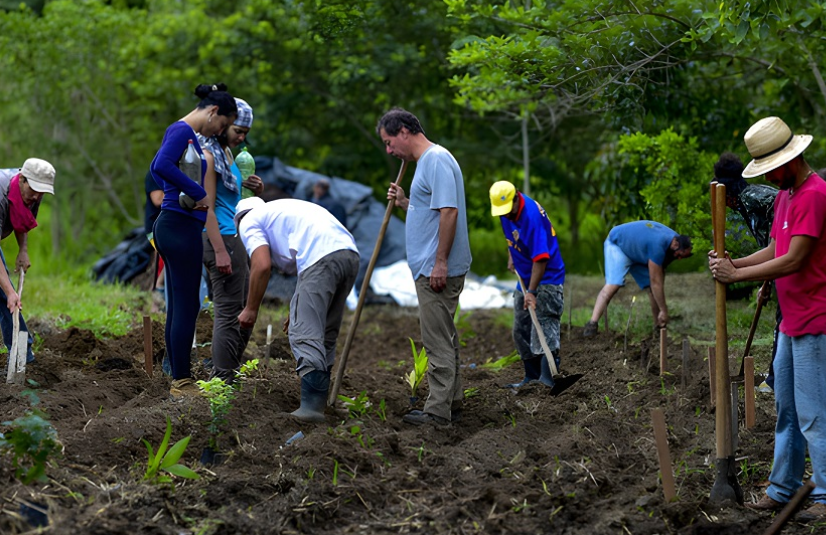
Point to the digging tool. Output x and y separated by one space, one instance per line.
762 299
726 487
539 333
19 344
351 332
784 515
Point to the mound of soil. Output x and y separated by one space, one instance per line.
576 460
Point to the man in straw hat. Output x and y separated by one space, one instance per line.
533 253
21 191
304 239
796 259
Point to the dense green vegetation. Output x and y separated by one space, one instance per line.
607 111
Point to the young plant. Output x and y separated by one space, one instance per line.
502 362
31 441
463 326
381 411
416 375
357 406
167 461
220 396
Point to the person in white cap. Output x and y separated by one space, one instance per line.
224 256
304 239
796 259
21 192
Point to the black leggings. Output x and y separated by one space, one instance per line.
178 240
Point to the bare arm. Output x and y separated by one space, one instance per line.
396 194
657 276
260 266
156 196
763 255
23 251
800 249
537 272
447 232
222 259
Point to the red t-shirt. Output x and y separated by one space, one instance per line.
802 295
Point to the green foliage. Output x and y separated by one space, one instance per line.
31 442
502 362
415 377
462 324
220 395
167 461
357 407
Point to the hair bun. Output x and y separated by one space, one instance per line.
203 90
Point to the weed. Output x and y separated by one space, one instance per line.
381 411
335 472
608 402
471 392
364 440
310 473
463 326
664 390
31 441
502 362
416 375
167 461
511 418
357 406
220 396
420 451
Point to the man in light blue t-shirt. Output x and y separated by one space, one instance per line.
643 248
438 252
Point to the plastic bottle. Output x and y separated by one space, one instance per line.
246 164
190 165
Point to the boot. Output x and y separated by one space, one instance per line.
532 372
546 377
314 387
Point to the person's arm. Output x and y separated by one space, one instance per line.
537 272
763 255
657 276
254 184
23 251
447 232
12 299
396 194
222 260
165 163
800 249
156 196
260 267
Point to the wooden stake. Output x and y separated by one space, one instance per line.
723 423
748 365
661 438
712 375
784 515
686 354
663 350
147 345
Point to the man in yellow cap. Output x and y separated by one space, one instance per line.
21 191
533 254
796 259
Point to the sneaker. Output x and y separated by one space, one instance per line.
417 417
766 504
765 388
817 512
591 329
182 388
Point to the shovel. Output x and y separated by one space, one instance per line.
19 344
539 333
726 488
762 299
351 332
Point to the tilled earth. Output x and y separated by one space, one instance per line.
577 460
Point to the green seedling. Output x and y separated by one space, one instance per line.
357 406
247 369
167 460
463 326
364 441
381 411
471 392
335 472
608 402
31 441
220 396
502 362
415 377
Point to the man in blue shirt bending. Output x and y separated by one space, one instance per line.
533 253
643 248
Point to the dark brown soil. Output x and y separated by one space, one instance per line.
579 460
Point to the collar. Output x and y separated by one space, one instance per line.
520 206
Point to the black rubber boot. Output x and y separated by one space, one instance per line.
314 387
533 369
546 377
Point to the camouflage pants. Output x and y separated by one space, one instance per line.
549 307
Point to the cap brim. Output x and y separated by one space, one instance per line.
504 209
40 187
795 147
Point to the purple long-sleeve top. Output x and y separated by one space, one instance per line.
171 179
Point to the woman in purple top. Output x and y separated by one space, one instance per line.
179 226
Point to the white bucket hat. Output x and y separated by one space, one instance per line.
771 143
244 206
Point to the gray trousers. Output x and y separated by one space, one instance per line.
229 295
316 310
549 307
441 341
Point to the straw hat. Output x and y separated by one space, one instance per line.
771 143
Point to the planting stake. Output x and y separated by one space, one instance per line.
760 301
539 333
726 488
735 418
628 323
748 394
661 438
147 344
663 349
711 367
791 507
351 332
17 354
267 350
686 354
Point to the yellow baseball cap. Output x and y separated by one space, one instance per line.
501 198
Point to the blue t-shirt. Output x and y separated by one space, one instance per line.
226 201
531 237
642 241
436 184
167 174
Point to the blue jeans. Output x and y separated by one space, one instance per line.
7 320
800 398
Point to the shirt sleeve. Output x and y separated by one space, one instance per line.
443 185
807 216
165 164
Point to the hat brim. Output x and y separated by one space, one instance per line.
40 187
762 166
504 209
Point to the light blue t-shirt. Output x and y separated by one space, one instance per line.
436 184
642 241
225 203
